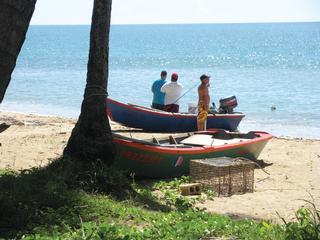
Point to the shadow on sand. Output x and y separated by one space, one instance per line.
49 196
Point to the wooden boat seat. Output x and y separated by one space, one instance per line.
155 140
172 140
209 140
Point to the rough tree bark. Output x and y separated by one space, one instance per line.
91 138
15 16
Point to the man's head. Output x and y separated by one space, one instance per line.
204 78
174 77
163 75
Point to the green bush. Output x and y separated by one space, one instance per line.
70 200
307 226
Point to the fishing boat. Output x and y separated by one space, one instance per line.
170 156
153 120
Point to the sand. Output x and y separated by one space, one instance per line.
34 140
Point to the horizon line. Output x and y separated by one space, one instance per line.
204 23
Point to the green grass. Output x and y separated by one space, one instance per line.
76 200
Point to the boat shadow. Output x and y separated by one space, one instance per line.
3 127
260 163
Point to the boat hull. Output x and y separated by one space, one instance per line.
158 121
163 162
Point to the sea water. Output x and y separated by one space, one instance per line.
266 66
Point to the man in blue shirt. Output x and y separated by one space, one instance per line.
158 96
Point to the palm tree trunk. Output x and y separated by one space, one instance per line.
15 16
91 138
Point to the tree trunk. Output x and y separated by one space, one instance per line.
15 16
91 138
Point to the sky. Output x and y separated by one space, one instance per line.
60 12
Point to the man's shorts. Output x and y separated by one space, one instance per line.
174 108
158 106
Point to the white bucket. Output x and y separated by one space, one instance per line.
192 108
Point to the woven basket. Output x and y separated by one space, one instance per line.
226 176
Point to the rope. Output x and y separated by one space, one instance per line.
96 94
92 95
96 86
257 164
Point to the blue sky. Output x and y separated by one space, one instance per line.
180 11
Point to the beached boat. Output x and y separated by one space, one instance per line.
170 156
153 120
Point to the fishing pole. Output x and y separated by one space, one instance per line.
186 92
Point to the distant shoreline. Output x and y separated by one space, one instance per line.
33 114
15 116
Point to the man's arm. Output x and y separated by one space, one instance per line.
207 98
164 88
180 90
153 88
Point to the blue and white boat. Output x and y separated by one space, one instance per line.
153 120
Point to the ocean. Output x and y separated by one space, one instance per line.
263 65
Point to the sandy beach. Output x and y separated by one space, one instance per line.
34 140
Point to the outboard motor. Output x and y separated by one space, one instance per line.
228 104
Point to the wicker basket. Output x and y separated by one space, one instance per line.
226 176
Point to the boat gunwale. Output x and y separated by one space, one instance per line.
263 137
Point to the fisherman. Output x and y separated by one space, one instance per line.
203 103
172 92
158 96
